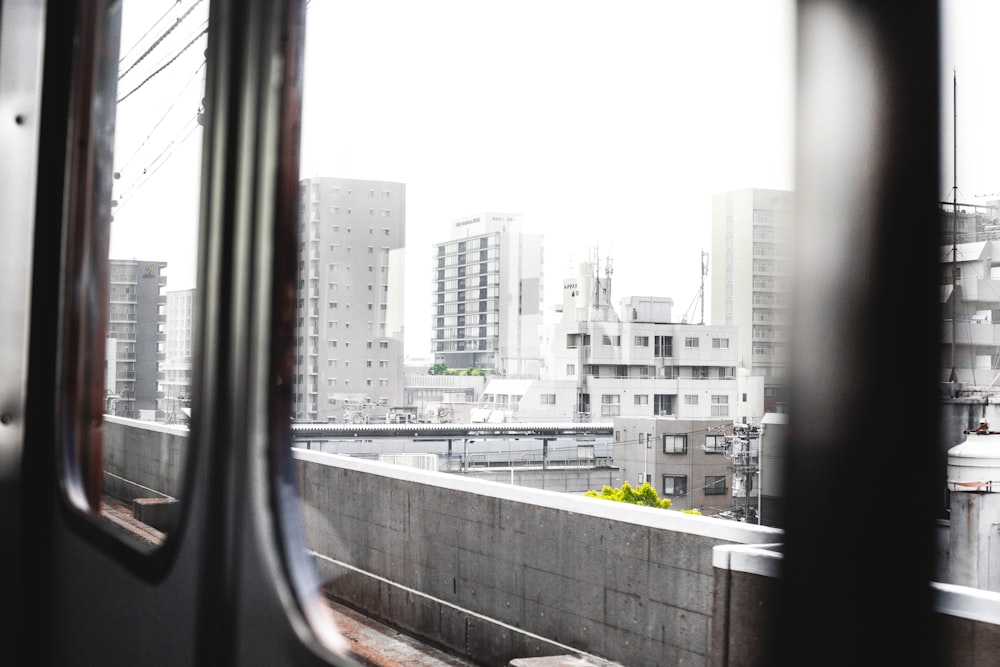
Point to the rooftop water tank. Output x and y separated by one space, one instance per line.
974 465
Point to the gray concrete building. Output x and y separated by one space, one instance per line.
135 344
487 285
685 460
750 271
349 331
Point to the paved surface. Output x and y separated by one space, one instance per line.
379 645
372 644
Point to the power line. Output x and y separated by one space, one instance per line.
164 66
159 39
177 98
148 172
145 35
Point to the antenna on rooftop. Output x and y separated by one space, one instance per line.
699 296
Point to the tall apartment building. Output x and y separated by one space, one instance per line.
604 365
349 352
750 270
487 286
175 387
135 344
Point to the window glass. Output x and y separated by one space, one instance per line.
473 139
145 334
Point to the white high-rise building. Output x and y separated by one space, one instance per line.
750 270
349 319
487 285
175 385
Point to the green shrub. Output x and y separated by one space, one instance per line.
643 495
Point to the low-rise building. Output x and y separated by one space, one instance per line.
685 460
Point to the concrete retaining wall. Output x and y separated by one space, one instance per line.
143 459
503 571
627 583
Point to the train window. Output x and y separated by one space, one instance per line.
133 354
569 119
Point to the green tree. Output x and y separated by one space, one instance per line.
437 369
643 495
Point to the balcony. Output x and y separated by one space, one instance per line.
972 332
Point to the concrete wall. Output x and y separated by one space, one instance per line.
626 583
498 570
143 459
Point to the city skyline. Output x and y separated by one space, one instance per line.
607 133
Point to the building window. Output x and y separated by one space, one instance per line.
691 341
690 399
715 444
642 399
570 369
611 340
720 343
548 399
610 406
715 485
663 404
642 341
675 485
675 444
720 405
663 346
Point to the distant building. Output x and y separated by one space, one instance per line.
135 344
175 387
969 223
639 364
349 318
442 398
487 285
750 272
683 459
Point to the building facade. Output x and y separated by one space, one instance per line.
175 387
134 350
750 270
685 460
349 318
602 365
487 286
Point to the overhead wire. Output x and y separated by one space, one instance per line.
156 163
146 34
187 129
164 66
177 98
159 39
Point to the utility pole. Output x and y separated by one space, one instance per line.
745 465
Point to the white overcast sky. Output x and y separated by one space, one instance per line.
608 127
